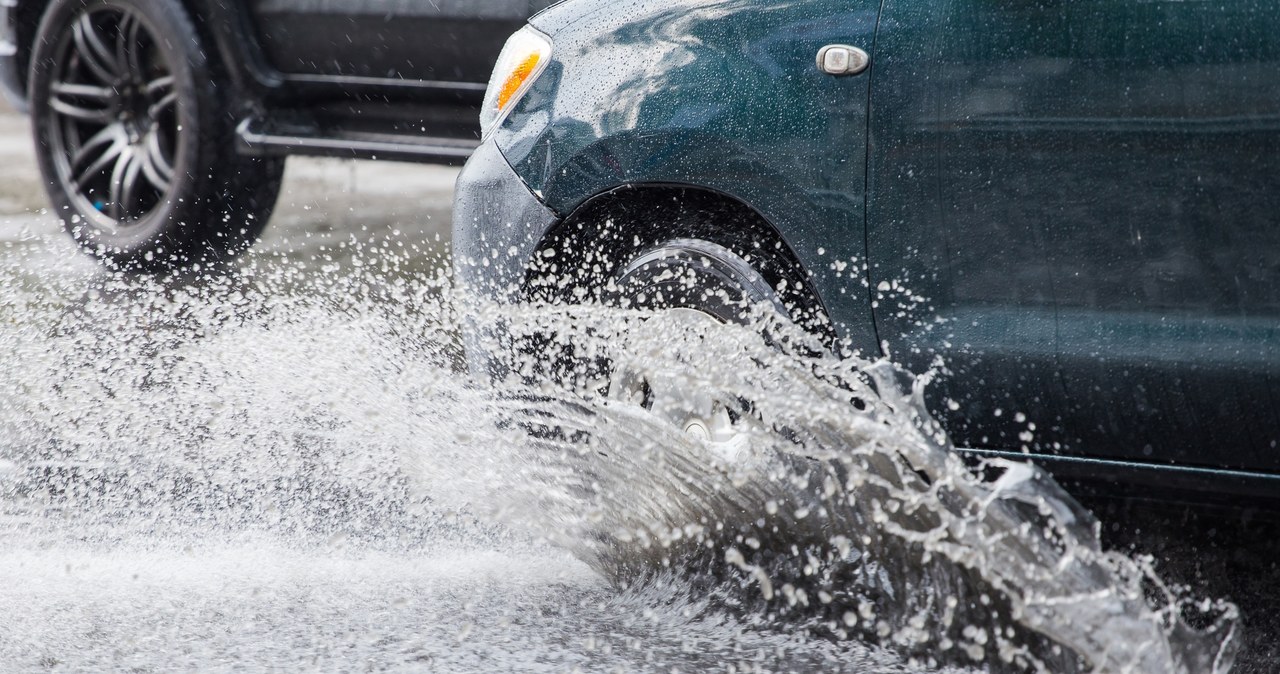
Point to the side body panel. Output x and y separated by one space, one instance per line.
226 29
1090 191
723 95
279 53
441 40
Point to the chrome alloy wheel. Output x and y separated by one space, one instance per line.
115 129
700 413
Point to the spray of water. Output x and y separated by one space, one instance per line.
336 411
836 504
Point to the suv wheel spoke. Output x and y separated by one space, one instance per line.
153 167
161 105
124 185
128 46
115 108
93 52
113 151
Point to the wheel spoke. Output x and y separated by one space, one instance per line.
95 142
129 188
83 91
94 52
123 178
128 47
158 160
159 106
160 86
157 172
71 99
113 151
100 116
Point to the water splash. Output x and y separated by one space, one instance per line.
845 510
331 411
209 469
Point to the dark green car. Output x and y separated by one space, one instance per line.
1076 204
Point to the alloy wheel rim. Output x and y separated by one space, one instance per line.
702 415
114 118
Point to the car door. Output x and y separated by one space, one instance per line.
959 250
1121 159
424 40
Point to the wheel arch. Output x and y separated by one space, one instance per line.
605 232
727 100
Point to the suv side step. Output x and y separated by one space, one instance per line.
260 137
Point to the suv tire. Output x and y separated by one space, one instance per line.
135 141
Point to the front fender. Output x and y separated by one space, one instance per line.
722 95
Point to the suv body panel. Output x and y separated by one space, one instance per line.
333 73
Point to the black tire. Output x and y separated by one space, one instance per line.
601 242
695 274
135 138
679 273
698 275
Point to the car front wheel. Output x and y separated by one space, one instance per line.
688 285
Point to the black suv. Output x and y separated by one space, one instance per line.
161 126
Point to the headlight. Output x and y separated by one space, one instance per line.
522 59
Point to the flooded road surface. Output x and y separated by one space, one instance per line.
209 475
284 465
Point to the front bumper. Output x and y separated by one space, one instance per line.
497 225
10 79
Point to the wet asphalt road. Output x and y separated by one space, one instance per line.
1220 552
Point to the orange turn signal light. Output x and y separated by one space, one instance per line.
523 57
517 78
